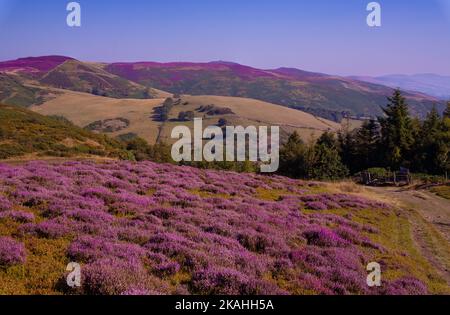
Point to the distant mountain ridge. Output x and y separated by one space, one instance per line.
325 95
428 83
313 92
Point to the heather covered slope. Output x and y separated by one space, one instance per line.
78 76
34 66
24 133
144 228
320 94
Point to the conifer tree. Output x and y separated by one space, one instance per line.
397 133
447 111
327 162
292 157
428 145
367 145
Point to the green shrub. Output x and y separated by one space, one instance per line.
23 131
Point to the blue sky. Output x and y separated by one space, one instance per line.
329 36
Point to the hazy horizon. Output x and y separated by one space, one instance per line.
322 36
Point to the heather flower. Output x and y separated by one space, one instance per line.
282 266
139 224
315 205
349 235
116 276
123 209
323 237
167 269
11 252
163 213
88 248
312 284
221 281
90 216
405 286
5 204
137 291
101 193
51 229
253 242
135 235
19 216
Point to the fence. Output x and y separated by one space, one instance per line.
391 178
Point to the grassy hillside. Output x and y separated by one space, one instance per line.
442 191
13 92
84 109
246 112
317 93
24 133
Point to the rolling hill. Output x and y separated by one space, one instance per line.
23 81
77 76
85 109
321 94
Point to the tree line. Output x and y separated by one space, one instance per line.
391 141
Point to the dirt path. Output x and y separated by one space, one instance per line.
429 215
431 207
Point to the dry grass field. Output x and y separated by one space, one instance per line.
264 112
83 109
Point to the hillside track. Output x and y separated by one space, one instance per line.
429 216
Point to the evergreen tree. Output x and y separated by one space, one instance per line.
328 139
293 157
432 123
396 128
367 146
427 144
444 138
447 111
327 162
347 149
